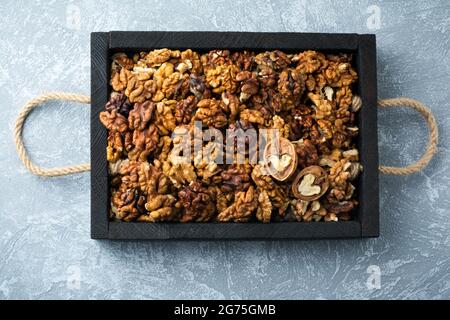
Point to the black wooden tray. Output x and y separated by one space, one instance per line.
366 223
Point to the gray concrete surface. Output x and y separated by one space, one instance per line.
45 248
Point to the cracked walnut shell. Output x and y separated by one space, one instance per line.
310 184
280 158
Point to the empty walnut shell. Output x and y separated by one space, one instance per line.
280 163
310 184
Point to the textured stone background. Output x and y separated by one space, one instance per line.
44 223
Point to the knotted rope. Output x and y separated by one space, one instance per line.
356 103
432 140
18 139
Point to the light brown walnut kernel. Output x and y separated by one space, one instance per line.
180 174
119 79
192 61
160 208
300 208
205 161
245 203
252 116
210 113
175 86
341 175
324 107
279 124
291 84
115 146
162 73
158 57
165 147
159 201
277 194
222 78
161 214
140 87
231 105
264 210
310 61
339 74
113 121
152 180
165 119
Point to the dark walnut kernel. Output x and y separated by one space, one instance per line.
141 114
152 181
196 202
236 178
307 153
115 146
197 86
249 84
121 60
276 60
244 60
291 85
119 102
144 143
307 96
185 110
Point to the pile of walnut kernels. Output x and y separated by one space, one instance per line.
307 96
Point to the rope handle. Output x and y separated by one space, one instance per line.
432 139
356 103
18 139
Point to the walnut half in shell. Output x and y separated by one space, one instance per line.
280 160
310 184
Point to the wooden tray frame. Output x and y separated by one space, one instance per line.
366 224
